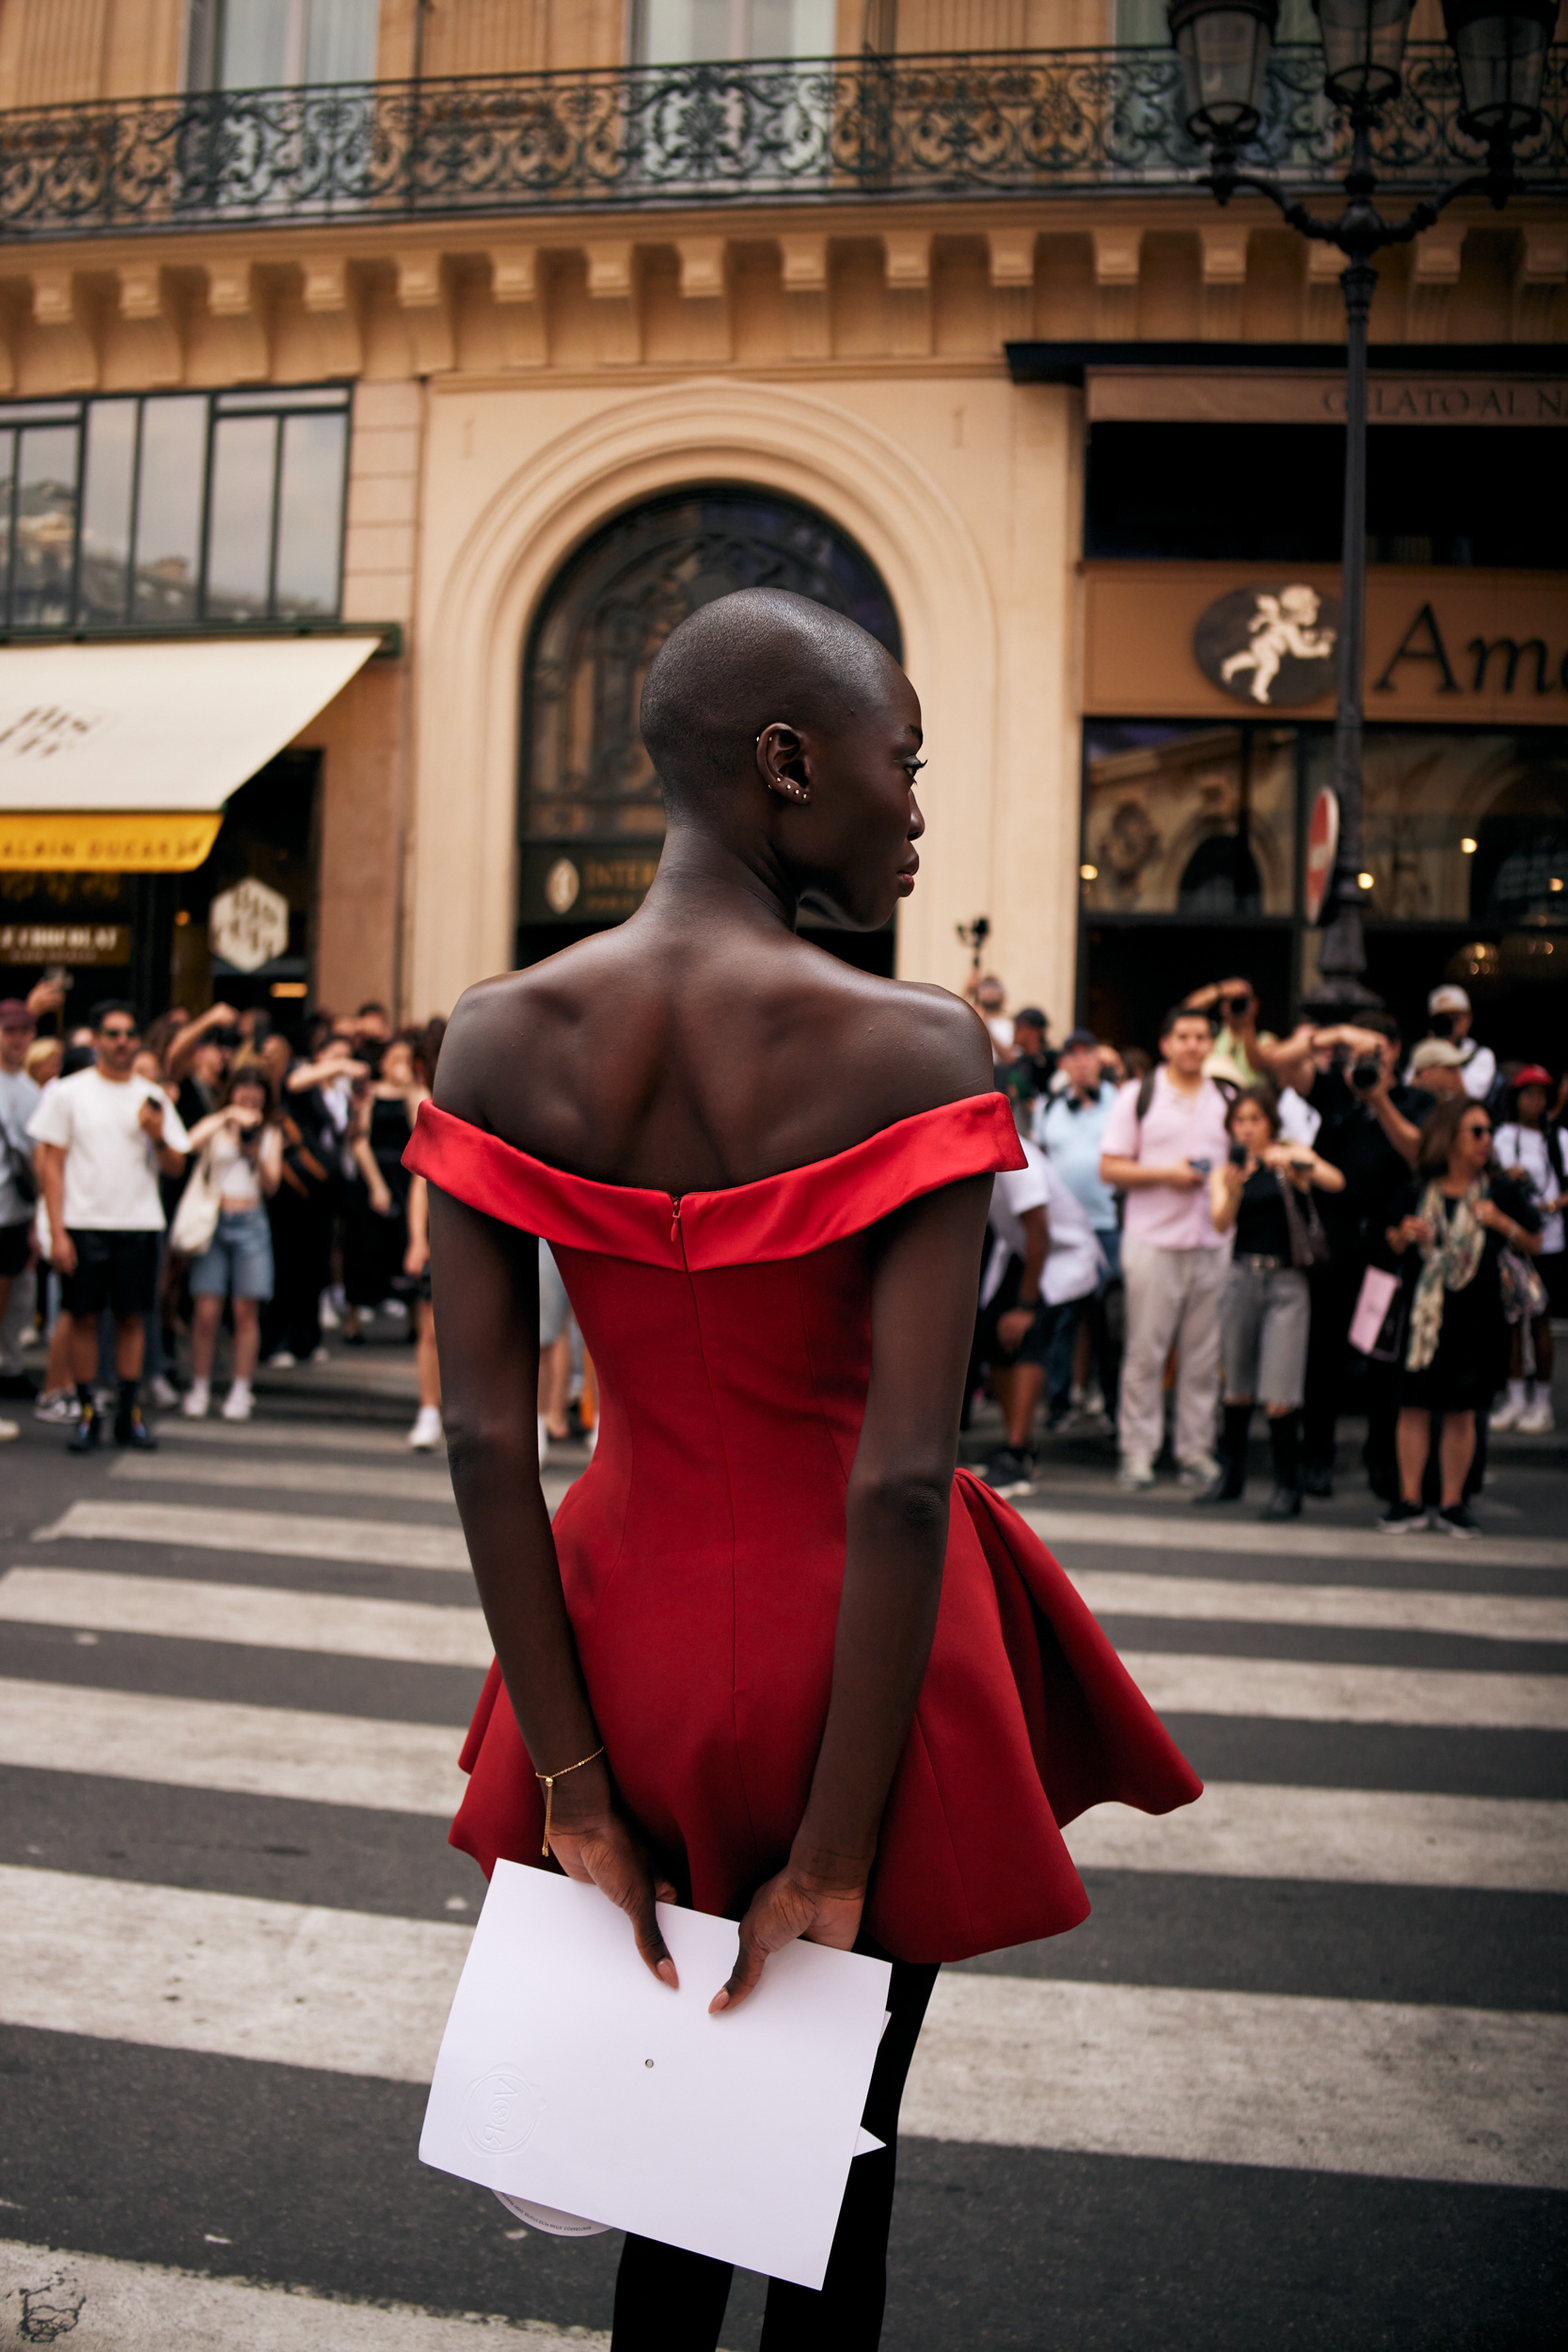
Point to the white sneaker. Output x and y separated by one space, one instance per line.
1202 1472
394 1310
281 1359
163 1394
10 1429
1136 1473
321 1355
59 1407
239 1404
426 1432
1508 1413
1536 1421
328 1316
197 1397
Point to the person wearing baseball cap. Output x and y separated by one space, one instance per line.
18 1099
1532 1150
1448 1017
1438 1065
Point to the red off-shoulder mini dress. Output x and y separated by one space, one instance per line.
702 1555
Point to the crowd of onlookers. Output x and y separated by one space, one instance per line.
158 1184
1316 1224
1312 1224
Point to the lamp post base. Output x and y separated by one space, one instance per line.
1340 992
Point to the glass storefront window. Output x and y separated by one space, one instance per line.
158 537
1189 820
171 478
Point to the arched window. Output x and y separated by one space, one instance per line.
590 818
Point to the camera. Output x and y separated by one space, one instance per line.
1237 1156
1441 1024
1365 1071
1237 1008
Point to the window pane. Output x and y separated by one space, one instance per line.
239 528
168 509
682 32
309 513
45 527
101 580
341 40
792 28
255 45
7 483
238 403
1189 820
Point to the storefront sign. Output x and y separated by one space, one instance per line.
1272 644
74 943
249 925
1317 396
36 842
600 881
1444 645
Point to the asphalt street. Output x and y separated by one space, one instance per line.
1298 2081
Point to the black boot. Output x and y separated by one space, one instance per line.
1284 1445
130 1428
1232 1478
88 1432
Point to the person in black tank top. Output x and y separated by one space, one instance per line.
1264 1189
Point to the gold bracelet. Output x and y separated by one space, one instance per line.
550 1780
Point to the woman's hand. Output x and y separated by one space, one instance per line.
605 1851
791 1904
416 1258
381 1199
1410 1231
1489 1214
243 1115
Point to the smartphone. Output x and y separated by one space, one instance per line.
1202 1165
1237 1156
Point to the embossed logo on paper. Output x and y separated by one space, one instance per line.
500 2110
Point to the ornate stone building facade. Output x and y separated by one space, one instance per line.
615 315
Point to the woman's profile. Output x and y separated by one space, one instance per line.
773 1660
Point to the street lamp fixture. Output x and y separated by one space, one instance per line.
1500 47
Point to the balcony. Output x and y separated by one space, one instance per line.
1002 124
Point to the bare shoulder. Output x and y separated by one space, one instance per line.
497 1027
909 1045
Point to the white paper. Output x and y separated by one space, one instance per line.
569 2076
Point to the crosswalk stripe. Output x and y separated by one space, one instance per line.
1427 2094
256 1615
410 1481
285 1437
279 1534
1175 1683
1237 1829
1393 1837
1481 1616
1181 1530
247 1751
107 2306
1368 2086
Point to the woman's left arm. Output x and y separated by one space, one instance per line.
924 1281
269 1159
1515 1233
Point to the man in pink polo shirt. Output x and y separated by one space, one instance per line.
1161 1140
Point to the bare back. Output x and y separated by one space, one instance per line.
685 1055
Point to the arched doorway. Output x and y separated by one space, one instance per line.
589 821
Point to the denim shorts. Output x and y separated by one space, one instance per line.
238 1260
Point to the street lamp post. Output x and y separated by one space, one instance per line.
1224 49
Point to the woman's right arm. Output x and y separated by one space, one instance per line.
1225 1195
485 1283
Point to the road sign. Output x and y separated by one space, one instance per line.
1323 846
249 925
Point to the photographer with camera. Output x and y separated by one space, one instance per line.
1370 1131
1265 1189
1240 1055
1449 1018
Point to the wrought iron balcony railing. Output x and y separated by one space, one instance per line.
1020 123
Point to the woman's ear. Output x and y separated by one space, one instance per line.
781 763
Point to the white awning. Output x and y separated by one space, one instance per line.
168 727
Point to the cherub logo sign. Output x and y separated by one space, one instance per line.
1270 645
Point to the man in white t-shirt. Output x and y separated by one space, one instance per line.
1160 1140
106 1136
1043 1256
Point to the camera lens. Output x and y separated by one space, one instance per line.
1366 1072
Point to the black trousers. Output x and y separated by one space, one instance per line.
302 1261
670 2301
1339 1380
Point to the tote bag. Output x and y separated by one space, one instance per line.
195 1219
1377 1325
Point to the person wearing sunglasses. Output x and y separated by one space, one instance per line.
1451 1227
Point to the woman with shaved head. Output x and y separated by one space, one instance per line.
775 1659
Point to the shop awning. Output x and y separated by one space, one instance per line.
119 757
